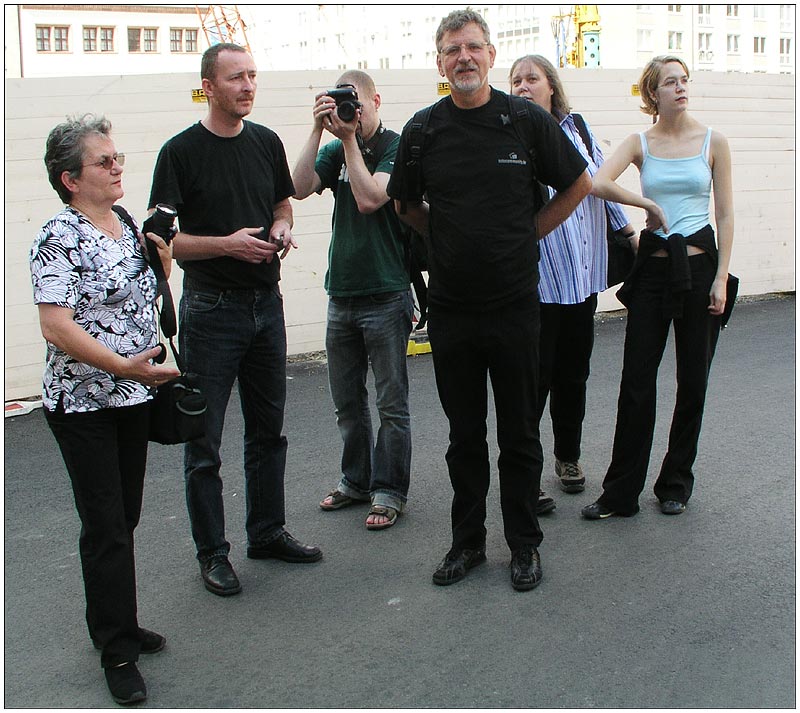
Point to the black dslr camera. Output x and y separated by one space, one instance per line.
347 103
162 222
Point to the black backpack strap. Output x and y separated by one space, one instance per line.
373 155
583 130
417 133
520 120
168 321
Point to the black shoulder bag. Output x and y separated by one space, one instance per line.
177 411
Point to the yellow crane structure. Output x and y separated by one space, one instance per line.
584 22
223 23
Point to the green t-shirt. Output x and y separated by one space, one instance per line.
366 254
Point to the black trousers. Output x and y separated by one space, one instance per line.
504 345
105 453
565 350
696 333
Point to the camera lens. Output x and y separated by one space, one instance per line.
346 111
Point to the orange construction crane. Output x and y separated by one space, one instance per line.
223 23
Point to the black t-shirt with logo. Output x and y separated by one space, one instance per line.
477 180
220 185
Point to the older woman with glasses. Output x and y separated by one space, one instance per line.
573 268
679 279
96 297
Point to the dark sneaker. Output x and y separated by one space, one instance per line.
454 567
570 476
544 504
526 568
126 684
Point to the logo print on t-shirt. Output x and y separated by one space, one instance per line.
513 158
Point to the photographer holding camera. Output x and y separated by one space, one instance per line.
370 307
229 181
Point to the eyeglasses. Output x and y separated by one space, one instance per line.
452 51
107 162
673 82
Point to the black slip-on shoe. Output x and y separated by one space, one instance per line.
672 507
598 511
125 684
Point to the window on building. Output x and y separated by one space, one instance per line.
90 39
704 14
106 39
43 39
759 45
787 16
705 53
733 44
142 39
182 39
90 35
759 12
675 40
786 50
733 11
61 39
150 39
644 40
52 38
385 62
674 8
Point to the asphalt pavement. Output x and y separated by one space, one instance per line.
652 611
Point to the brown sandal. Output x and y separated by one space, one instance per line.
383 511
339 500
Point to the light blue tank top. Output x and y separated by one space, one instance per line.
681 186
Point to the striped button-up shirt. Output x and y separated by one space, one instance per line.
573 259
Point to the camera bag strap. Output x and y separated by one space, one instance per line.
167 319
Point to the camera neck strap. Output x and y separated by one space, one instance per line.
167 319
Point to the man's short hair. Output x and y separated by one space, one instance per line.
359 79
456 20
208 65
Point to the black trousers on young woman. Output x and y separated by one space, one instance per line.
696 333
105 453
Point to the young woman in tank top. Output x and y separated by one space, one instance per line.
679 279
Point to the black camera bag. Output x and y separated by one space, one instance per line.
177 411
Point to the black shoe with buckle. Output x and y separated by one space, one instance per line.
125 683
286 548
219 577
454 567
526 568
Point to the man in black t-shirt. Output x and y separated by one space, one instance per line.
230 182
482 217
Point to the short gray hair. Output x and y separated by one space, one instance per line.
65 147
458 19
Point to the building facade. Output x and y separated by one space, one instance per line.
82 40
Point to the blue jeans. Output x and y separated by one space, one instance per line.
361 330
227 335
